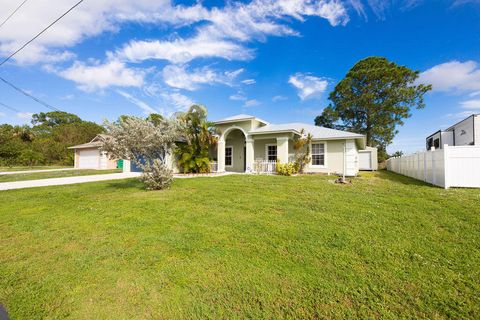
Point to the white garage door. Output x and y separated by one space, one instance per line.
365 160
88 159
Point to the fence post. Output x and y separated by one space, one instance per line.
446 165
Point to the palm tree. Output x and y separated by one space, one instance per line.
199 136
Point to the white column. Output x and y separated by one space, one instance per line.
282 149
249 154
221 155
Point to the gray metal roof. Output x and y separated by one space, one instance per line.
316 131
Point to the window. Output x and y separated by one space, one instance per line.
228 156
318 154
436 143
271 152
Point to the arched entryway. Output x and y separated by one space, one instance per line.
235 150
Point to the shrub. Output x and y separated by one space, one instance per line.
286 169
156 176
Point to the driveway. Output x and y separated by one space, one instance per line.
66 180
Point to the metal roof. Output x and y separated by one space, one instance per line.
316 131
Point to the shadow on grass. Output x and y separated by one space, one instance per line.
133 183
398 178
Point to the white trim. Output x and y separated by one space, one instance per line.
225 155
266 151
325 165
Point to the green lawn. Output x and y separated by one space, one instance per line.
54 174
241 246
24 168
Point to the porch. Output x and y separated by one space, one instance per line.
238 151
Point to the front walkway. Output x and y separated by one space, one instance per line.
66 180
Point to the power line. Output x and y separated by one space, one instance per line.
8 107
41 32
11 14
26 44
29 95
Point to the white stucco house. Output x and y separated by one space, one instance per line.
249 144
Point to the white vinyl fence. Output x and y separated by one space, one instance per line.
457 166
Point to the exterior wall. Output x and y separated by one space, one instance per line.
447 138
259 148
334 158
246 125
76 162
477 130
464 132
236 140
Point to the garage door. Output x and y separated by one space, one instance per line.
88 159
365 160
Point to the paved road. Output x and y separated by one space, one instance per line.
66 180
34 171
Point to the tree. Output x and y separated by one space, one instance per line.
373 99
397 154
146 144
198 135
54 118
301 146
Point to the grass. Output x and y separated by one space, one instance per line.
26 168
53 174
242 246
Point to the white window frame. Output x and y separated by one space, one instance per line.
266 151
231 165
324 154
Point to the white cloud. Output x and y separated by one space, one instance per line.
251 103
453 76
170 101
89 19
470 104
174 102
279 98
143 105
182 51
227 29
24 115
101 76
179 77
308 86
238 97
248 81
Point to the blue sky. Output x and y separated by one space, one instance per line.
274 59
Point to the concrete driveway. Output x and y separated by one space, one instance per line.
66 180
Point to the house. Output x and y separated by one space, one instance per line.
249 144
463 133
89 155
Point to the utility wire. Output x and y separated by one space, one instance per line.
11 14
29 95
26 44
8 107
41 32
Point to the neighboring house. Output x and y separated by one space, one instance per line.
89 155
250 144
463 133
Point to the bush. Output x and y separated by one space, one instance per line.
286 169
156 176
